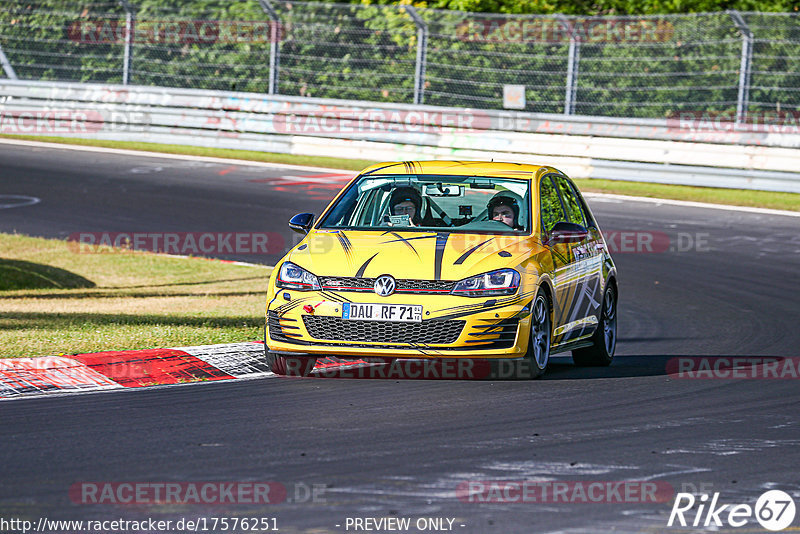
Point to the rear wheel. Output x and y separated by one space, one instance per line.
535 363
604 339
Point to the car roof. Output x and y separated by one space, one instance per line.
458 168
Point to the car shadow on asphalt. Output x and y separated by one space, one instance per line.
561 367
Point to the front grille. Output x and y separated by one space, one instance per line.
425 285
346 283
431 332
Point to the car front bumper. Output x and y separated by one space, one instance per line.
310 323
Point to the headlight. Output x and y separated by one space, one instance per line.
292 276
502 282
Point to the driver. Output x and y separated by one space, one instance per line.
407 201
504 207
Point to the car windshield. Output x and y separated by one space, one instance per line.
468 204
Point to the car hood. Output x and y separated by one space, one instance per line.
409 255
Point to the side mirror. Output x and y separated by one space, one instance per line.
302 222
567 232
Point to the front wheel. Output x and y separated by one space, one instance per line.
604 339
538 355
290 365
287 365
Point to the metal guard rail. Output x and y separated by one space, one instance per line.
585 147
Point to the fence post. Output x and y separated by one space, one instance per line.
128 51
7 65
422 54
274 46
743 99
573 58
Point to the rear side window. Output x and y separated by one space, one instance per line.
552 211
571 202
587 213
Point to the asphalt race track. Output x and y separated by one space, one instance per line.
725 284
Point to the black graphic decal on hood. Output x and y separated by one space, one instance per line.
360 272
441 241
406 241
467 254
346 245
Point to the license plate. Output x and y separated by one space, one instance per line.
382 312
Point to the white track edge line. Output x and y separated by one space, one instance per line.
692 204
188 157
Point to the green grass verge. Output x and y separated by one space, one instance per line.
54 301
712 195
736 197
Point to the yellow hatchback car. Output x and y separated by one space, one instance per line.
446 259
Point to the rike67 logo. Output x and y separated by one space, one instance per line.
774 510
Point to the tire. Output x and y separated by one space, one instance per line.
288 365
604 339
538 356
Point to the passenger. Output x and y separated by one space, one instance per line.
504 207
407 201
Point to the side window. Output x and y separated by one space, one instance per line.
551 205
590 222
571 202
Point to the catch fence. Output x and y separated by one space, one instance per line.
739 64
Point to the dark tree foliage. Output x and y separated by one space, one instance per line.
612 7
367 50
